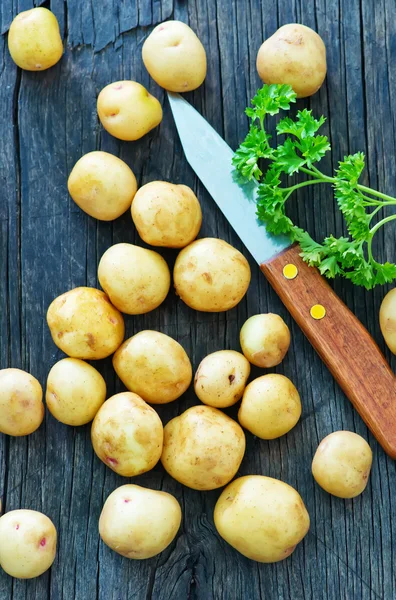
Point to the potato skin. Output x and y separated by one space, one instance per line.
270 406
265 340
34 40
261 517
211 276
136 280
342 464
27 543
75 391
166 214
203 448
127 111
21 406
138 522
153 365
175 57
221 378
387 317
102 185
127 435
295 55
84 324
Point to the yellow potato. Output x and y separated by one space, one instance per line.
211 276
127 435
27 543
166 214
263 518
203 448
102 185
34 40
174 57
127 111
75 391
83 324
342 464
265 339
270 406
135 279
154 366
138 522
221 378
295 55
387 318
21 406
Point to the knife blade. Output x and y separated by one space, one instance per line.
337 335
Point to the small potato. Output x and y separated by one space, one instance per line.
127 111
75 391
174 57
294 55
135 279
154 366
265 339
34 40
263 518
83 324
270 406
221 378
21 406
166 214
102 185
342 464
203 448
27 543
211 276
139 523
387 318
127 435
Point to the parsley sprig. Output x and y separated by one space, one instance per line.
302 148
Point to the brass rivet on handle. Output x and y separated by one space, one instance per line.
290 271
318 311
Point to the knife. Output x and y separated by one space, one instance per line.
339 338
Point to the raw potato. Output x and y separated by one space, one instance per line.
295 55
174 57
127 435
342 464
263 518
166 214
270 406
34 40
211 276
21 406
138 522
154 366
136 280
27 543
387 318
75 391
102 185
203 448
84 324
127 111
265 339
221 378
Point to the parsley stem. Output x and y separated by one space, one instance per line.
388 199
264 132
316 173
302 184
381 223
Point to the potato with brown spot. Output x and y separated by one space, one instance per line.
203 448
84 324
221 378
127 435
265 340
261 517
138 522
387 318
21 406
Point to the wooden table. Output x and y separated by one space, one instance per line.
48 245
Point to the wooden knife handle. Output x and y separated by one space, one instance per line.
342 342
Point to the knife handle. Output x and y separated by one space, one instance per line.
342 342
